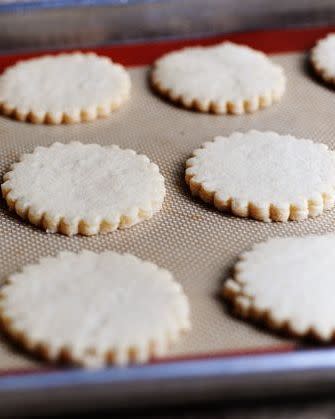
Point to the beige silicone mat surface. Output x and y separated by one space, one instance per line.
198 244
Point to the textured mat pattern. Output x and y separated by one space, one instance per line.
197 243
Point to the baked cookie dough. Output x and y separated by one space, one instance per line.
264 175
94 309
287 283
224 78
63 88
323 58
84 188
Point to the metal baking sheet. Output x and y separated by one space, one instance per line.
36 24
222 357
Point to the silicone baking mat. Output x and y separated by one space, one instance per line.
197 243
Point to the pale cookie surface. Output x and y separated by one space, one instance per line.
264 175
84 188
225 78
323 58
94 309
288 283
64 88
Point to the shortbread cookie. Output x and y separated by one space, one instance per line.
84 188
225 78
288 283
264 175
97 309
64 88
323 58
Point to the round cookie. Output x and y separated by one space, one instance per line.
287 283
64 88
84 188
94 309
224 78
323 58
264 175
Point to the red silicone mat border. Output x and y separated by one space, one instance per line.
136 54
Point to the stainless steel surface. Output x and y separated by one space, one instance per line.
267 376
58 23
